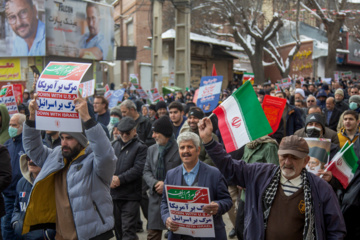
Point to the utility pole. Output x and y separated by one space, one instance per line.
182 43
157 45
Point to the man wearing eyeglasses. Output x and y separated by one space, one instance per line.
126 185
30 31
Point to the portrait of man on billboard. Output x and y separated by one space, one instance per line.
92 43
22 16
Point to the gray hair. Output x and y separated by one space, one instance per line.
128 104
189 136
22 117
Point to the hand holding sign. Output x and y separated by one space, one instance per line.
81 107
211 208
171 225
33 106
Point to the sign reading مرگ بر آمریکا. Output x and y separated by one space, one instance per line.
185 207
7 97
57 88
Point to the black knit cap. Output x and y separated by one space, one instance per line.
160 104
196 112
315 117
164 126
152 107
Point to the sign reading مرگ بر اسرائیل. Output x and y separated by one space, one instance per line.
57 88
185 207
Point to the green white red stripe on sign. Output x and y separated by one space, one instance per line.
241 118
344 165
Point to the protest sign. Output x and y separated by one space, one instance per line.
57 88
87 88
18 91
347 74
134 78
7 97
141 91
209 93
336 76
319 153
116 97
273 108
154 95
185 207
286 82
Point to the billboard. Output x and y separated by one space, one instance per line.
79 29
22 28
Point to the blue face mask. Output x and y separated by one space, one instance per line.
114 120
13 132
353 106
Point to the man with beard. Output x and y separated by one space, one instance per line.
73 188
52 139
30 31
161 157
287 195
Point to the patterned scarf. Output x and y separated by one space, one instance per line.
269 196
160 166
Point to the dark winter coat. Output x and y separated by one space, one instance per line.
5 175
329 223
15 148
129 168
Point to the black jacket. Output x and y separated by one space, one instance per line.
334 119
129 168
143 130
5 175
349 199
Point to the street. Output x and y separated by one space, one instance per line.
142 236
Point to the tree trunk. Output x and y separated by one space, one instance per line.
257 64
333 30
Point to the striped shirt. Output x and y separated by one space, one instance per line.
290 186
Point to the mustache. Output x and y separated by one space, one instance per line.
65 148
22 26
186 155
289 167
32 164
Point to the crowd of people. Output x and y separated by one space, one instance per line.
95 183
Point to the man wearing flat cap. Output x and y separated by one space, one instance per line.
72 190
304 205
195 115
126 185
161 157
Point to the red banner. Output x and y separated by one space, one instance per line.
273 108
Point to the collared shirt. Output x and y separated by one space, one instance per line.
20 47
97 41
290 186
190 176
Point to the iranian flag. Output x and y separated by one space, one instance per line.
344 165
248 77
241 118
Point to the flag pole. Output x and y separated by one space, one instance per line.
211 115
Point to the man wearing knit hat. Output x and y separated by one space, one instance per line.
340 101
72 190
354 104
304 205
195 115
161 157
161 109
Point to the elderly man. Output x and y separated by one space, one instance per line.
72 189
29 30
332 114
15 147
340 101
310 101
161 157
126 186
288 196
143 125
195 173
